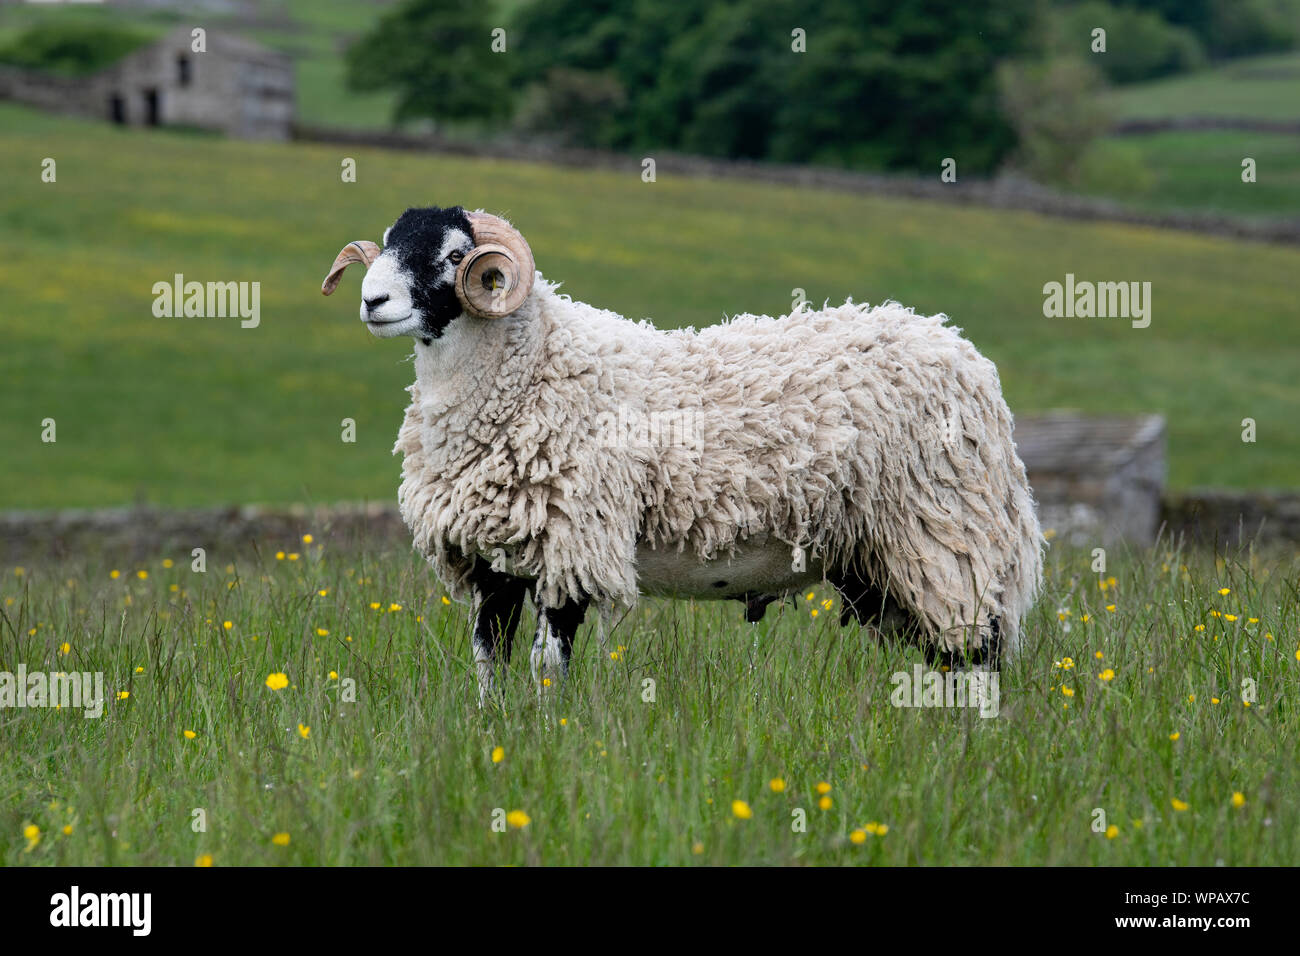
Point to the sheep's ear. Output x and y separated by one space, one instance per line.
362 251
497 275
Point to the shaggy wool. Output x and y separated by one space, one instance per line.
862 437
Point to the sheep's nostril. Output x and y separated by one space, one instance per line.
374 303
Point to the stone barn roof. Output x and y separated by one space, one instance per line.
1097 480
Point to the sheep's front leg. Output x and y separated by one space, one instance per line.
499 599
553 645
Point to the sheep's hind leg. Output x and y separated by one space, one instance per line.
988 655
553 644
500 602
871 606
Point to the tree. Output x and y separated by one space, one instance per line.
437 55
883 83
1057 111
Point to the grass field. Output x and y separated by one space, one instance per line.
1128 700
1198 171
1201 171
1257 87
195 411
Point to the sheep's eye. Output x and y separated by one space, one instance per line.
455 257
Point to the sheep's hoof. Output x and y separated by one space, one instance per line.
988 655
490 696
549 669
756 606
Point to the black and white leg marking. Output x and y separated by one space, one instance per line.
499 599
987 656
553 644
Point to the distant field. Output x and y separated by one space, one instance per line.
195 411
1196 172
1261 87
1199 171
1152 723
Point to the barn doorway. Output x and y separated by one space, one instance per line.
151 111
117 109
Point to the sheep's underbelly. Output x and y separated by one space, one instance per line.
756 568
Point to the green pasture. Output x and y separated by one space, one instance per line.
1256 87
1150 720
179 411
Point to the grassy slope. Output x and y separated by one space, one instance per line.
199 410
404 775
1201 171
1261 87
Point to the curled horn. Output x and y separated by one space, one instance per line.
361 251
497 275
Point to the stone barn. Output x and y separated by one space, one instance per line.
233 85
1096 480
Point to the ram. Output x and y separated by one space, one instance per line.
869 448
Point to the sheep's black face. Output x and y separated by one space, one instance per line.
409 289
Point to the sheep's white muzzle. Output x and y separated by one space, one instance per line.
386 305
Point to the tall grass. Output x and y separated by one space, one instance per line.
1120 704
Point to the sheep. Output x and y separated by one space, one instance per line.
869 448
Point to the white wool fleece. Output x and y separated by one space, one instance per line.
871 436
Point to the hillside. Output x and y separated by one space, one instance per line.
1201 169
202 411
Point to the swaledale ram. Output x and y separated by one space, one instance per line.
565 452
